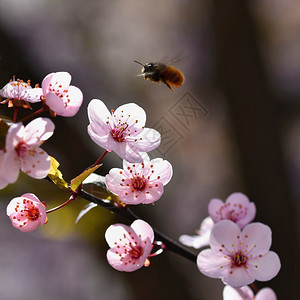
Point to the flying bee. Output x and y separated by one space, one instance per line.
157 72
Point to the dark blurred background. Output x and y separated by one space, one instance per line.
241 63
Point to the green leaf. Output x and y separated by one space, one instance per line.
77 181
55 175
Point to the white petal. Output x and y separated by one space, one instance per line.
259 238
36 163
114 233
213 264
163 169
225 233
98 113
231 293
264 268
266 294
132 113
143 230
38 131
238 277
34 95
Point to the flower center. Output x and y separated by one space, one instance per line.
238 259
33 213
139 183
232 215
118 133
21 148
136 252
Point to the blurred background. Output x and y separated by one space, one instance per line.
241 61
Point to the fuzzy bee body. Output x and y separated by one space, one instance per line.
158 72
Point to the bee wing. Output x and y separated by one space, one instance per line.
179 56
146 74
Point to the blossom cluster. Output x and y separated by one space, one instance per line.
239 251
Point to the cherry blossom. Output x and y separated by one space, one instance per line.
140 182
130 246
121 131
239 258
26 212
245 293
19 93
202 237
61 97
237 208
22 150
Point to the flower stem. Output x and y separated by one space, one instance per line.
254 288
72 197
99 159
15 114
34 113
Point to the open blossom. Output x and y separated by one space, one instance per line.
22 150
202 237
237 208
140 182
18 93
121 131
239 258
130 246
61 97
26 212
245 293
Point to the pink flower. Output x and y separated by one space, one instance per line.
19 92
26 212
130 246
121 131
202 238
61 97
239 258
245 293
140 182
22 150
237 208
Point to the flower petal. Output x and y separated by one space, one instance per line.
14 135
33 95
132 113
113 233
231 293
237 277
264 268
224 236
143 230
162 169
148 140
10 167
213 264
259 238
98 113
266 294
36 163
38 131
